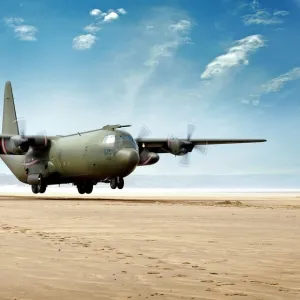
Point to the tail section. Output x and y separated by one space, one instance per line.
10 126
9 122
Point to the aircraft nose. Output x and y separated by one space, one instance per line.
129 158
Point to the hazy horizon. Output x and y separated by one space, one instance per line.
187 182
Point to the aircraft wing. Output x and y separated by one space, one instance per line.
161 145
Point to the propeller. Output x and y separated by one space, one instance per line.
21 122
21 126
40 138
185 160
144 132
190 131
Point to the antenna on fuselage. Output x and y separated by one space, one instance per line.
113 127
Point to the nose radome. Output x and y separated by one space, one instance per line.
129 158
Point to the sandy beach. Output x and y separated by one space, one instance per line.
214 247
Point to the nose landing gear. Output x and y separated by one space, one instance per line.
117 182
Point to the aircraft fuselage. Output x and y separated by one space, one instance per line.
94 156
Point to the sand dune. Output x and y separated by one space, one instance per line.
214 247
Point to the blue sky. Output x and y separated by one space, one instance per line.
232 68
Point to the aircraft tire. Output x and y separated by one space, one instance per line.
88 188
42 187
120 183
113 183
35 188
81 189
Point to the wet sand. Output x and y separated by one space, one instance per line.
209 247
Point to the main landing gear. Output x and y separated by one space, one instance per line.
39 188
117 182
85 188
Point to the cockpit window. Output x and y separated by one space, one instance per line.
128 141
109 139
127 138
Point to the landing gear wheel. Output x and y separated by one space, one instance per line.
35 188
120 183
80 189
42 186
89 188
113 183
85 188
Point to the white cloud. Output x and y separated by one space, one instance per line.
122 11
86 41
95 12
273 86
182 25
245 101
26 32
13 21
252 99
164 50
281 13
236 55
255 4
92 28
112 16
276 84
175 36
263 16
23 32
83 42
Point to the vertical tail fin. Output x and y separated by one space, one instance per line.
9 121
10 126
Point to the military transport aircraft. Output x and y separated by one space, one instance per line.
85 158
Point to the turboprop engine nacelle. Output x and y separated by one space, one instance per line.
178 147
19 145
14 145
148 158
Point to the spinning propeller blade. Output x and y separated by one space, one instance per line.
42 135
201 148
190 131
22 126
40 138
144 132
185 160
